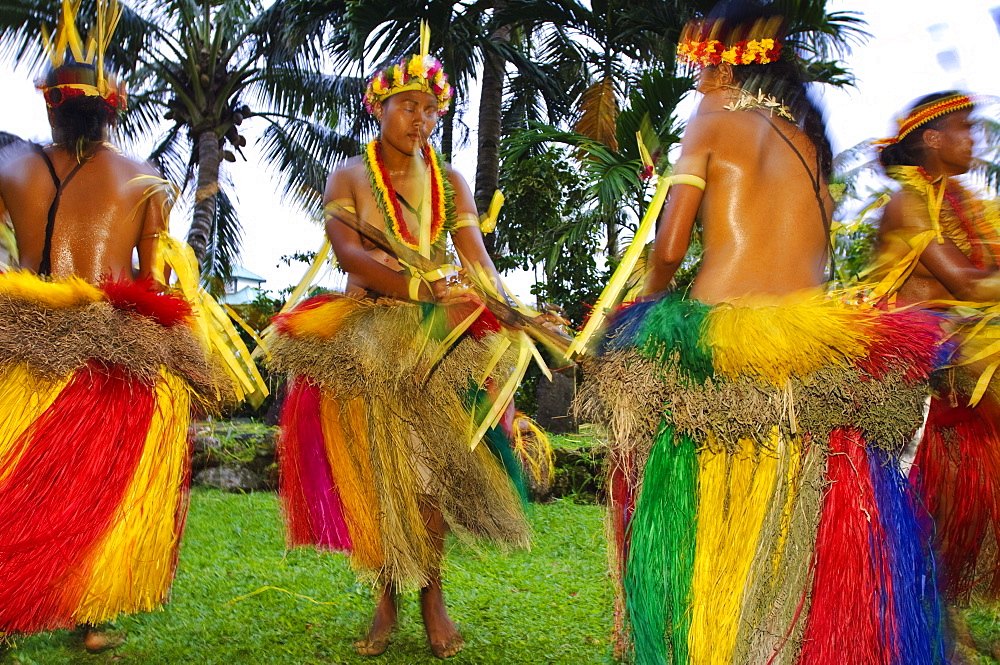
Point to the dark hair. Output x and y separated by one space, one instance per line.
81 120
784 79
910 151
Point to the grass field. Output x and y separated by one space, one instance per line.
548 605
241 599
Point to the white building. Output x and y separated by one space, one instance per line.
242 288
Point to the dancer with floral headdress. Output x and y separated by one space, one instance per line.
939 248
757 513
101 366
390 432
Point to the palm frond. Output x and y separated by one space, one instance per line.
224 250
304 153
599 113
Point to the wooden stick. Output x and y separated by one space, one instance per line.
512 317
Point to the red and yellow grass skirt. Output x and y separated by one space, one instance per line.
96 391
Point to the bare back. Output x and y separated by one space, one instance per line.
101 216
764 231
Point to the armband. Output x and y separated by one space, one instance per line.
688 179
414 287
441 273
466 219
339 203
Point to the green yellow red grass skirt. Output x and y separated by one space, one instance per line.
757 513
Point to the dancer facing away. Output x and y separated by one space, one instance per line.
755 509
940 244
99 370
383 397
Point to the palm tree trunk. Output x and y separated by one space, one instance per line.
611 228
448 134
490 114
203 221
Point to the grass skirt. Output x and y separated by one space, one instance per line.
382 403
956 471
757 513
96 388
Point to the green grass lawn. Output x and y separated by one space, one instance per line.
548 605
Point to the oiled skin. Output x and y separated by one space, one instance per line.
763 225
102 215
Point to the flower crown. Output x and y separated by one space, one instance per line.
924 113
703 43
416 72
420 71
714 52
78 71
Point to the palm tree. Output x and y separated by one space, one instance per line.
206 67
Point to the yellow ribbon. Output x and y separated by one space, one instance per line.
212 324
506 393
609 297
298 292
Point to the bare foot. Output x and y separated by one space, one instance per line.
443 636
383 624
96 641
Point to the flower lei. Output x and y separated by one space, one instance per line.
388 200
714 52
417 72
746 101
954 221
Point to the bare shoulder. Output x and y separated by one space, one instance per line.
349 170
345 179
456 178
906 210
17 157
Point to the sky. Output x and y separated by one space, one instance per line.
917 47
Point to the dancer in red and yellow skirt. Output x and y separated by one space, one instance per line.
939 249
99 375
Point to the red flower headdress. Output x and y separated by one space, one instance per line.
711 42
421 71
924 113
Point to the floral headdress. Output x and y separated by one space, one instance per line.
78 67
924 113
421 72
707 42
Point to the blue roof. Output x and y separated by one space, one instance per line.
239 272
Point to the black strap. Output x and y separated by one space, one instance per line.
45 266
817 188
406 204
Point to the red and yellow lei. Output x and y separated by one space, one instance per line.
388 200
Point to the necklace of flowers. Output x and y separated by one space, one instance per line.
746 102
389 201
972 236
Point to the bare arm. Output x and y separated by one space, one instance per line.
153 224
350 251
673 235
905 216
468 240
